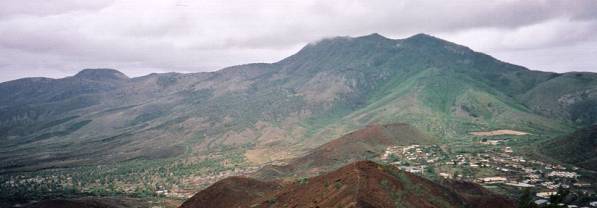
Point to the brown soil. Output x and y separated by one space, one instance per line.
478 196
231 192
359 184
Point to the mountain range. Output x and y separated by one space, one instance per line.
276 111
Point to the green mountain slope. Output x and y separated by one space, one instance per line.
578 148
279 110
572 96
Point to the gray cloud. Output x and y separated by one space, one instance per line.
44 8
39 38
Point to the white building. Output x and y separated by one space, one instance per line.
541 202
508 150
495 179
562 174
546 194
445 175
522 185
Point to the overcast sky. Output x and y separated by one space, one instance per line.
57 38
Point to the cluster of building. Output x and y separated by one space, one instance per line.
491 166
545 203
413 158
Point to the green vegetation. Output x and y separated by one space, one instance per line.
303 180
577 148
526 199
338 184
101 126
136 178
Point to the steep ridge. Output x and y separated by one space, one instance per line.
363 144
280 110
359 184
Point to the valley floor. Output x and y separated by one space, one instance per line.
505 164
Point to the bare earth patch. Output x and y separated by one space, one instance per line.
262 156
498 132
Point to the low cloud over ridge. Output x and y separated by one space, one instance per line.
39 38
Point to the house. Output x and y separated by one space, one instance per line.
522 185
546 194
581 184
541 202
161 192
562 174
495 179
412 169
508 150
445 175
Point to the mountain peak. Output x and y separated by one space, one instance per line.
427 41
373 36
422 37
363 165
101 74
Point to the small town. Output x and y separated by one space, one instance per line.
499 166
152 185
496 165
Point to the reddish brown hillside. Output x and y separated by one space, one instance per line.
363 144
231 192
478 196
359 184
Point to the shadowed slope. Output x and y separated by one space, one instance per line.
578 148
